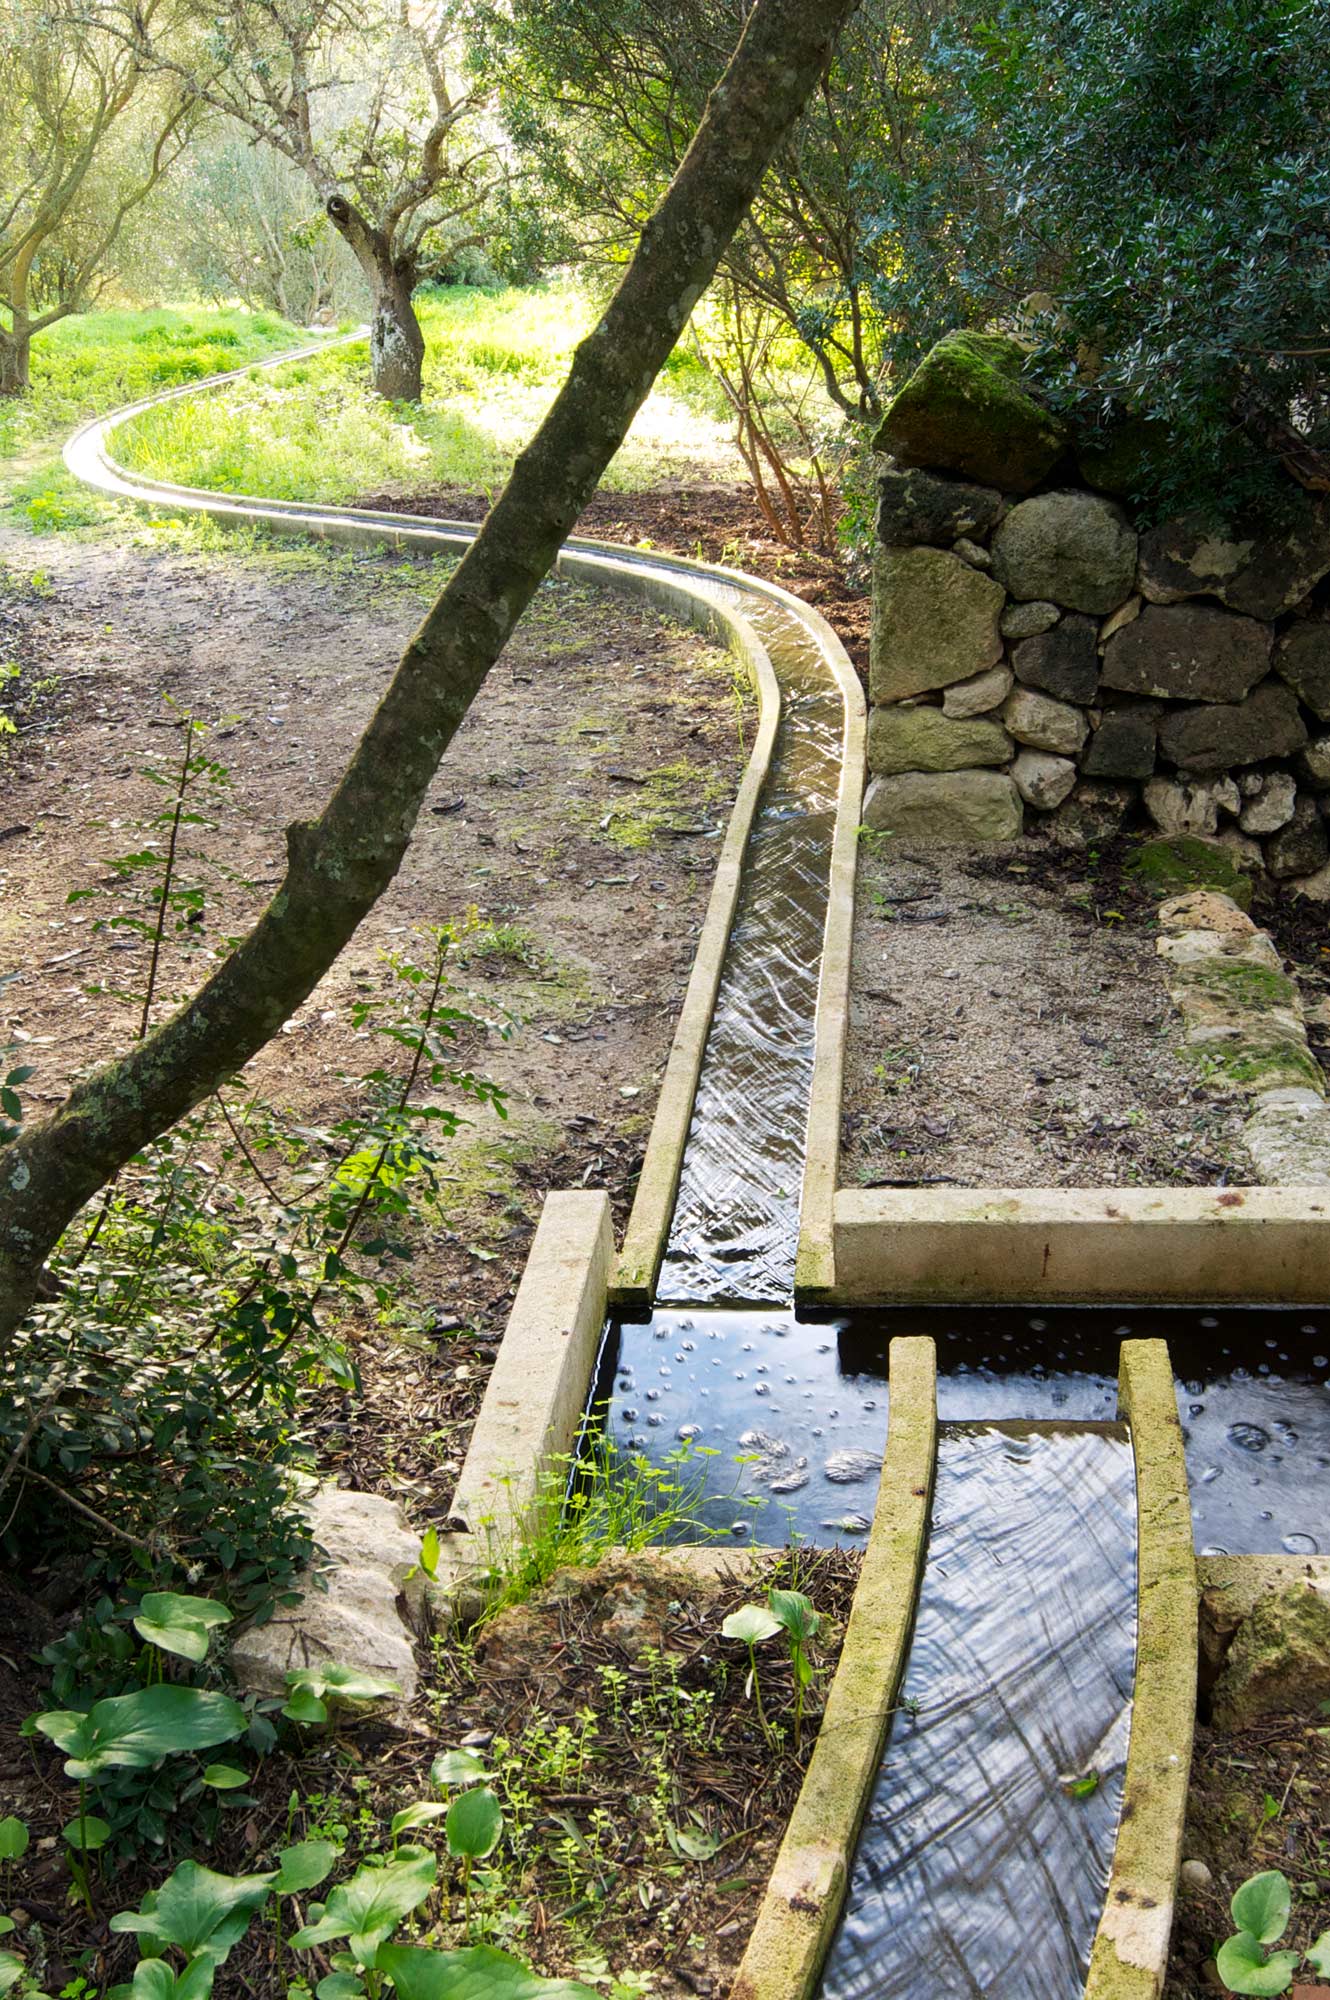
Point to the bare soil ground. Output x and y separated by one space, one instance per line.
699 519
1257 1801
578 811
1011 1029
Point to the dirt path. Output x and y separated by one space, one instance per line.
578 812
1011 1029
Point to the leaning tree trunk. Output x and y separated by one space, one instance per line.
396 344
338 866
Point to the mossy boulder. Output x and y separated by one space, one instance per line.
1279 1661
935 622
1184 861
965 410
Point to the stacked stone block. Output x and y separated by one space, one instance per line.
1034 655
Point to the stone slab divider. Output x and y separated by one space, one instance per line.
1188 1245
1130 1954
806 1892
815 1267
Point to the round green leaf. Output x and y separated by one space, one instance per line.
13 1838
752 1623
1245 1967
339 1986
474 1824
177 1623
139 1729
417 1815
87 1834
304 1866
12 1969
369 1906
455 1767
795 1612
305 1706
1318 1955
1261 1906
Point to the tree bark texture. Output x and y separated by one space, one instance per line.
14 363
338 866
396 343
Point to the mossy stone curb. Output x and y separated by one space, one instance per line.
1130 1954
804 1896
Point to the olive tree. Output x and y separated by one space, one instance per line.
85 135
367 98
338 865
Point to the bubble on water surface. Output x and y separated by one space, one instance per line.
1248 1437
686 1431
1301 1545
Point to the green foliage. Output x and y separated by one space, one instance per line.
317 1691
13 1839
478 1972
199 1912
92 363
179 1624
367 1909
1246 1962
1159 169
494 360
139 1729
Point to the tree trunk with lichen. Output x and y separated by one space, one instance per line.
339 865
396 343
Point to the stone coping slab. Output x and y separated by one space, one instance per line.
804 1896
534 1400
1083 1246
1130 1954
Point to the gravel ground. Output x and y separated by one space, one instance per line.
1010 1028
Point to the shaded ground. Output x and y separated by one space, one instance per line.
1010 1029
643 1804
577 813
709 523
1257 1801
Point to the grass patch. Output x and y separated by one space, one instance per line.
94 361
315 430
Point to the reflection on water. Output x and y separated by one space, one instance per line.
979 1869
1253 1392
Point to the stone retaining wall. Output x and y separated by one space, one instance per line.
1033 654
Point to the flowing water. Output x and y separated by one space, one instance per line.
985 1853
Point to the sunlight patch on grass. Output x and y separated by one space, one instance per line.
315 430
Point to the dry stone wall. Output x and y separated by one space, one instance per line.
1034 655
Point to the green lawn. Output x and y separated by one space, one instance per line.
314 430
94 361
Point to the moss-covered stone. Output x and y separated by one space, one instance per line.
1248 988
1184 861
1280 1659
965 410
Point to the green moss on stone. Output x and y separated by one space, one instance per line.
1184 861
965 410
1247 986
1274 1065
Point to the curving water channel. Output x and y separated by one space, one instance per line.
982 1866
